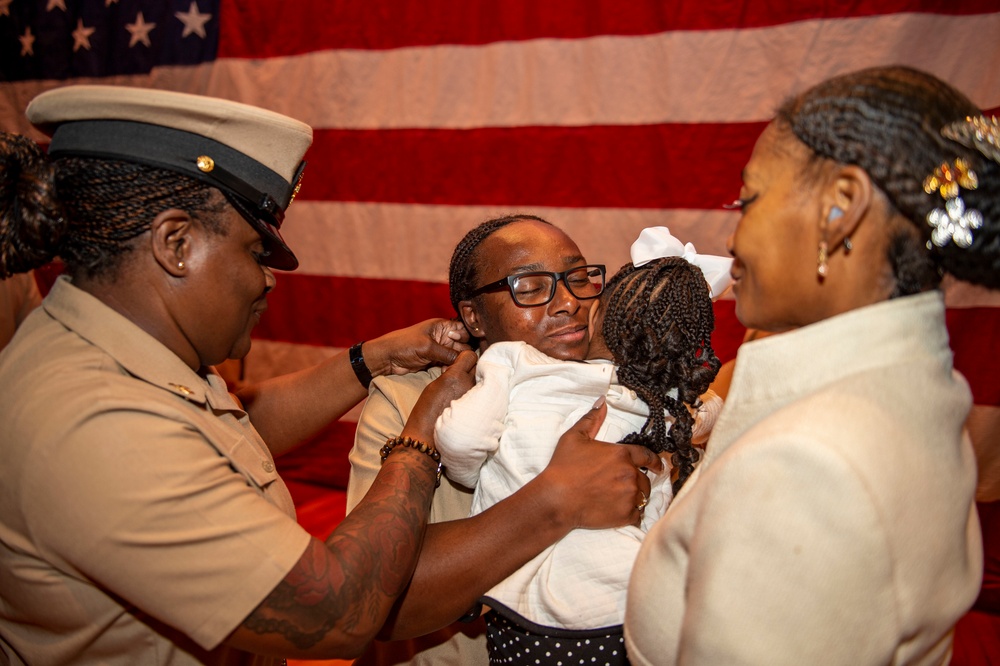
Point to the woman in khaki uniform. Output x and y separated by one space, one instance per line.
141 517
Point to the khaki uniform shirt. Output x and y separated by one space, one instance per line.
832 518
141 517
19 295
389 404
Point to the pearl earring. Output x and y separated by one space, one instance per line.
821 261
824 251
180 264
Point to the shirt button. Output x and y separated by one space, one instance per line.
268 466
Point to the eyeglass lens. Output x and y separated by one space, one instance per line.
537 289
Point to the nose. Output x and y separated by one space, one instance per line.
563 300
729 244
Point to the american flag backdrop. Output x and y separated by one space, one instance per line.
604 116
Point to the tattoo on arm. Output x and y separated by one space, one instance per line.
349 584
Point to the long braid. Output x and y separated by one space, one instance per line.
888 122
658 323
463 273
31 220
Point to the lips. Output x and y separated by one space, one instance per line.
259 311
735 272
569 333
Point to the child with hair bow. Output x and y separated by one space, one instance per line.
651 360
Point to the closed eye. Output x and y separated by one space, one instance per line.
740 204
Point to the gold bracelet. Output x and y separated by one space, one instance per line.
393 442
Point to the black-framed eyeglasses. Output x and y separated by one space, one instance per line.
539 287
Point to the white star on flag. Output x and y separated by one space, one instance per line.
193 20
81 36
61 4
5 7
108 3
27 42
139 31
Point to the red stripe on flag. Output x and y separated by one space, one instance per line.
974 333
339 311
301 309
674 165
263 28
729 332
631 166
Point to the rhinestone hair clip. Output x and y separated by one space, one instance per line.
954 222
979 132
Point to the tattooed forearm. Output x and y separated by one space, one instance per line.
344 589
306 605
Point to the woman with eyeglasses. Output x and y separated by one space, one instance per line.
651 359
515 278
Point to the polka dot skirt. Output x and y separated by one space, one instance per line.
512 644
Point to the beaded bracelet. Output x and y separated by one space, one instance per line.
393 442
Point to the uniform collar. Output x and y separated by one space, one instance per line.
139 353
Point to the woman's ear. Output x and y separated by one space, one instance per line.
849 200
172 241
470 317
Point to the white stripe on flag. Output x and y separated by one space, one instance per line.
683 76
415 242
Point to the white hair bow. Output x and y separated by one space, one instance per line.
656 243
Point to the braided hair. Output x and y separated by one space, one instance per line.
658 323
463 271
88 212
28 208
888 121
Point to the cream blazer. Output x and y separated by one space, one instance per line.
832 519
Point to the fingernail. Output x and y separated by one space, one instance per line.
598 403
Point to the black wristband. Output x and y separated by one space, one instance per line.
359 366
